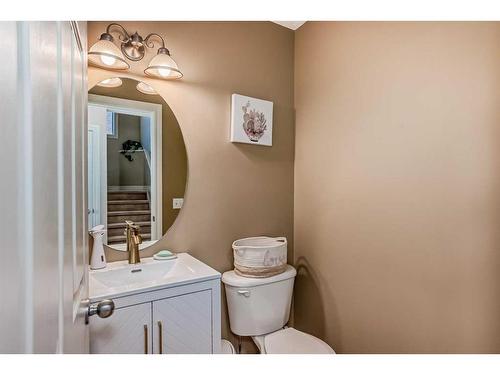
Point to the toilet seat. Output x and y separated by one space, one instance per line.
292 341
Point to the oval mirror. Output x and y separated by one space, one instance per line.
137 162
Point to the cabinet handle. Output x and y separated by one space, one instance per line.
160 336
145 339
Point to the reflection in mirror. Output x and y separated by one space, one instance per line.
137 163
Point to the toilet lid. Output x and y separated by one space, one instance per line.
292 341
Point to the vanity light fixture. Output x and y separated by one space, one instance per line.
146 89
106 54
111 82
163 66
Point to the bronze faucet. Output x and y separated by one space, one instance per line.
134 239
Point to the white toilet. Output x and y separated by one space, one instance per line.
260 308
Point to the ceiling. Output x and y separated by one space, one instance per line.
294 25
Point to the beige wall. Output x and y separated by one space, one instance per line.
397 186
121 171
233 190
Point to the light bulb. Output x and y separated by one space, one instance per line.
110 82
108 60
164 72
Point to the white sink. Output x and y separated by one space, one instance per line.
121 278
137 274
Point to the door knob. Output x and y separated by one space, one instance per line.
103 309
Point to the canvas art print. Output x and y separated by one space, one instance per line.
251 120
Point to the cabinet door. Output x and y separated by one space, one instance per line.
183 324
127 331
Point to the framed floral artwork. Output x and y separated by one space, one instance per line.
251 120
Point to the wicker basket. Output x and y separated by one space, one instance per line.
260 256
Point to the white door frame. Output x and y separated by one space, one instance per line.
154 112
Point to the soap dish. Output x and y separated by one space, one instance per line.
168 255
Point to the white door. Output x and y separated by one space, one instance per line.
183 324
94 188
127 331
44 277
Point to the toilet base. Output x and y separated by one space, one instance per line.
259 342
291 341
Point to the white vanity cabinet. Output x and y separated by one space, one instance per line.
178 319
183 324
124 332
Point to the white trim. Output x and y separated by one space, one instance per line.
61 222
25 180
114 123
95 131
154 112
148 158
101 150
292 25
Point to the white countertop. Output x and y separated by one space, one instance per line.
120 279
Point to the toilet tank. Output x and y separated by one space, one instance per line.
258 306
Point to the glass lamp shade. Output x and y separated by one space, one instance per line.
106 54
164 67
111 82
146 89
